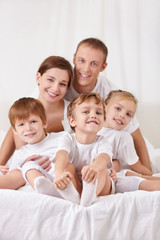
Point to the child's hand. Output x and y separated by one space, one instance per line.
89 174
4 169
63 180
113 175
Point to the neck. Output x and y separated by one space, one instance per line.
85 138
50 106
82 89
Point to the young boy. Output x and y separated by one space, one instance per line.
90 60
120 109
28 120
89 152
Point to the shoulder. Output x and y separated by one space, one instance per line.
103 86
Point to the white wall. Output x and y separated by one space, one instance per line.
31 30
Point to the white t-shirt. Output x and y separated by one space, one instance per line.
122 146
47 147
103 87
83 154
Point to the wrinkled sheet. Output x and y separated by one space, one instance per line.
26 215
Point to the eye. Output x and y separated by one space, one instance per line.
20 124
33 121
117 108
81 60
85 112
94 64
63 84
50 79
99 113
129 115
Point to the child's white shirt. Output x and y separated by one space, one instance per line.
46 147
83 154
122 146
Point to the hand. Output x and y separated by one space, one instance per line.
89 174
113 175
4 169
63 180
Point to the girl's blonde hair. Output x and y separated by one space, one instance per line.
122 94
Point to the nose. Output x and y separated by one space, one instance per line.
93 114
55 86
121 114
27 127
86 67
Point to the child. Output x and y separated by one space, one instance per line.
28 120
120 109
90 60
53 78
89 152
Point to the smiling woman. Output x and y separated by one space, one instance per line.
53 77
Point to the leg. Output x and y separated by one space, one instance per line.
147 177
73 190
150 185
12 180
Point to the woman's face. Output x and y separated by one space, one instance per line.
53 84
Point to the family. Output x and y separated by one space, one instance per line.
79 139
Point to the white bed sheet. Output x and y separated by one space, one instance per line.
33 216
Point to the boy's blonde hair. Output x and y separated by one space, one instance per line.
22 108
83 97
122 94
94 43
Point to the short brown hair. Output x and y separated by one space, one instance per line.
22 108
56 62
120 93
95 43
83 97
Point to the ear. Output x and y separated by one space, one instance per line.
38 75
103 67
74 58
45 124
72 122
14 131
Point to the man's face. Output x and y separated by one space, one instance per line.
89 62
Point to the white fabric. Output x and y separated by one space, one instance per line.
33 216
47 147
83 154
122 146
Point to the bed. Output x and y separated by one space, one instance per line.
27 215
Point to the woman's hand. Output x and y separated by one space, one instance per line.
4 169
113 175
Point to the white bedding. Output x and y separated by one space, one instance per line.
26 215
33 216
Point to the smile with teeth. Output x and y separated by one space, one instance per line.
52 94
118 121
85 75
30 135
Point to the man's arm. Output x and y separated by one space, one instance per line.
141 148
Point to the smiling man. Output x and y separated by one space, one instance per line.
89 61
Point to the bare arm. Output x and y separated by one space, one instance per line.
60 174
141 148
139 168
7 147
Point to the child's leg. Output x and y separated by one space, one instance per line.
12 180
150 185
132 173
102 187
73 190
